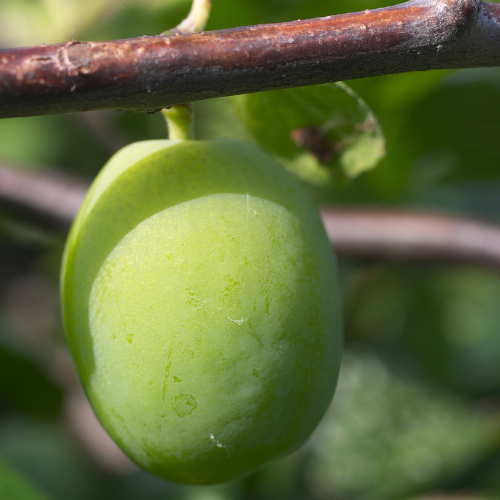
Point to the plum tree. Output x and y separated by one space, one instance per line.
201 307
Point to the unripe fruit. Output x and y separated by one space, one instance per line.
201 307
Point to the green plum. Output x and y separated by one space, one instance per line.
201 307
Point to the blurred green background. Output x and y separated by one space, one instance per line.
417 411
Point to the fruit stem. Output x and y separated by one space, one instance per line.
180 119
180 122
196 19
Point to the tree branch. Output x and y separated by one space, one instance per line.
150 73
365 234
52 198
411 236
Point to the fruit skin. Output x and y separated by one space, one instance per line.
201 307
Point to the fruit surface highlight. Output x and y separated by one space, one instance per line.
201 307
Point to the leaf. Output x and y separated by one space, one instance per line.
15 487
23 386
320 133
387 436
449 135
48 456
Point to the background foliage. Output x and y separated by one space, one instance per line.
417 410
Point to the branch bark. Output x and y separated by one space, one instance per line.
149 73
405 236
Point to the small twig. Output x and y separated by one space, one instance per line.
196 20
150 73
362 233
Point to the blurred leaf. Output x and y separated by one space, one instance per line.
15 487
230 491
321 133
217 118
29 22
452 497
375 304
445 319
385 437
134 18
282 479
67 141
29 140
470 319
390 96
45 453
25 388
392 93
449 135
422 332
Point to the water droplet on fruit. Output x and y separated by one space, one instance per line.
184 405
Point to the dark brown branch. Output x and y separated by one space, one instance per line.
373 234
149 73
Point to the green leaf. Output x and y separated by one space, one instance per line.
321 133
48 455
390 437
449 135
23 386
15 487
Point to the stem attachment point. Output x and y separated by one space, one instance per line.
180 122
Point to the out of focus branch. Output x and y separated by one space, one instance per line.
361 233
411 236
48 197
150 73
